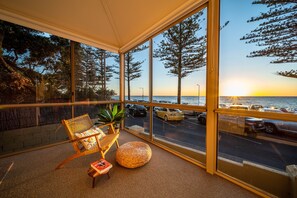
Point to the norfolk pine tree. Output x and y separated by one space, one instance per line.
181 50
276 34
132 68
104 71
93 73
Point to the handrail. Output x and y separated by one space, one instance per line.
6 106
258 114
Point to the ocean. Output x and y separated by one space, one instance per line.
289 102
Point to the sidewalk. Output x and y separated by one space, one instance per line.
277 139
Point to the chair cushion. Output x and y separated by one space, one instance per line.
90 142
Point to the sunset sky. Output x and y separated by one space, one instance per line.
239 75
250 76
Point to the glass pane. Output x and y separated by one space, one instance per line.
53 115
258 73
137 119
97 74
179 72
248 145
35 67
18 118
114 82
25 128
181 130
137 73
92 110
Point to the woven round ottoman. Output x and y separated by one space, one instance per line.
133 154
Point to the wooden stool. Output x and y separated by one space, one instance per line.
93 173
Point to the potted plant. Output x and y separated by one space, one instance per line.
111 114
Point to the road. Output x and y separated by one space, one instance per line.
231 146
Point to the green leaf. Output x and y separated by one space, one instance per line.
104 115
109 114
115 110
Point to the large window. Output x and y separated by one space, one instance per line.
179 77
36 73
257 73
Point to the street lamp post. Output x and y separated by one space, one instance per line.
198 94
142 91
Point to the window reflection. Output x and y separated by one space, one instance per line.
97 74
35 66
271 143
26 128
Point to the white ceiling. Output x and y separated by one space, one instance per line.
114 25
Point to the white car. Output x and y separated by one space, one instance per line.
169 114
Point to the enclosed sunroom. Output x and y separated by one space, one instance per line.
217 80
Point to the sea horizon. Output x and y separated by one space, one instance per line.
289 102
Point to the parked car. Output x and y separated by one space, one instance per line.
169 114
248 123
222 105
275 110
127 106
137 110
155 109
254 124
239 106
279 126
202 118
165 101
288 110
256 107
189 112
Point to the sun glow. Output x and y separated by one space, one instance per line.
236 88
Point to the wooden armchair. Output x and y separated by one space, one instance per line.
81 130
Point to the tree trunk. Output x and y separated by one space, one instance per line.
179 67
1 42
128 75
104 78
179 85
